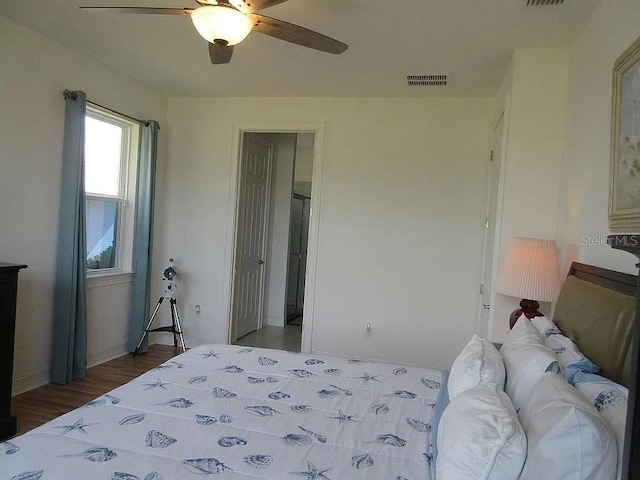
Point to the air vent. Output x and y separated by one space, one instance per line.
427 80
536 3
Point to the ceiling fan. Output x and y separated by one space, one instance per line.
225 23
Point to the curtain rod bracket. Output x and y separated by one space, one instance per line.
69 94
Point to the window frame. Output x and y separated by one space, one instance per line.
129 157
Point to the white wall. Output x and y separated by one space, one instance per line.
304 158
304 164
585 177
35 71
536 85
279 219
402 202
400 225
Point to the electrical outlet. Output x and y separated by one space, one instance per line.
367 331
197 309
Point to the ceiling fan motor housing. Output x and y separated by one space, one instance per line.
217 22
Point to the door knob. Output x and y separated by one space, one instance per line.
260 262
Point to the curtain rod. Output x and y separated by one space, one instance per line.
73 96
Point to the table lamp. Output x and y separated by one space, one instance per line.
530 272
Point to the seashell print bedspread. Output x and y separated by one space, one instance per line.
243 413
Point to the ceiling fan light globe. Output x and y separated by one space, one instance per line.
221 23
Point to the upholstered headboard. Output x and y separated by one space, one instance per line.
596 308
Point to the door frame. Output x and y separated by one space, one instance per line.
490 225
505 116
239 129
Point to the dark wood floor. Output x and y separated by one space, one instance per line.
38 406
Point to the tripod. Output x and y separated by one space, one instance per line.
175 328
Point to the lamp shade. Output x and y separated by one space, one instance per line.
530 270
221 23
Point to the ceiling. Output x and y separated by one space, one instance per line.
469 40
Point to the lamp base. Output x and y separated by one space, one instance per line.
529 308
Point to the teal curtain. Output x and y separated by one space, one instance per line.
70 298
143 241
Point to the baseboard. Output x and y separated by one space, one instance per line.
106 354
29 382
190 341
34 380
196 341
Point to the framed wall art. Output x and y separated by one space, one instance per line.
624 190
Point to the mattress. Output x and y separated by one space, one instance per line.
241 413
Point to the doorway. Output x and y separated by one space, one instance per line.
270 251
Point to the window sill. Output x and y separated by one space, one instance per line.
105 279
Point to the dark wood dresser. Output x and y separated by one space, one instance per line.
8 295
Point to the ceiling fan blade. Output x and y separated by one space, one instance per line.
296 34
143 10
252 6
220 52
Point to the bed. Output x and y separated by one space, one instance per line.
241 413
245 413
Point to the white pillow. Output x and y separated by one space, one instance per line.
526 359
522 333
567 437
610 399
479 437
479 363
566 351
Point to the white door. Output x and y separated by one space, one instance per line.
493 183
251 234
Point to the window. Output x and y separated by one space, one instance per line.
111 158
